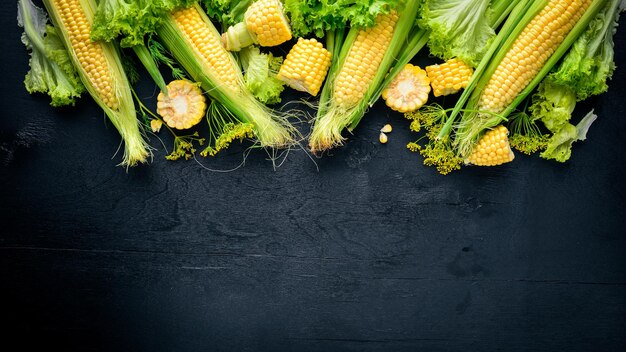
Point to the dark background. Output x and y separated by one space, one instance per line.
373 251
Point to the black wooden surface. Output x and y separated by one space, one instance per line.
372 252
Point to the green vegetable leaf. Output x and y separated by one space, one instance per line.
51 70
459 28
228 12
589 63
560 145
319 16
260 74
131 20
553 104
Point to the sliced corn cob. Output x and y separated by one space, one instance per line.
449 77
306 66
264 24
195 44
492 149
101 71
184 106
530 51
408 91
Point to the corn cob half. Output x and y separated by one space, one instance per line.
449 77
264 24
306 66
101 71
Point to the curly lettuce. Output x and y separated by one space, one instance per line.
131 20
553 104
51 70
458 28
559 146
319 16
260 71
590 62
228 12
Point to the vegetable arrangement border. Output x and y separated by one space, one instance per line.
520 67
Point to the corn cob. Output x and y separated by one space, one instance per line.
356 74
363 61
264 24
408 91
530 51
527 52
183 106
101 71
306 66
195 44
449 77
492 149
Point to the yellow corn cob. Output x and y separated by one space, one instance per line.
408 91
264 24
362 62
101 71
450 77
207 45
306 66
492 149
90 54
530 51
184 106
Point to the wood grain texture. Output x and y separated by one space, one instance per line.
366 251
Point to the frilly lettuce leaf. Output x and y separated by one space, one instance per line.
260 74
318 16
228 12
553 104
589 63
560 145
51 70
458 28
131 20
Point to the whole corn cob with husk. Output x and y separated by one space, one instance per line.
355 77
449 77
305 66
408 91
196 44
101 71
526 57
264 24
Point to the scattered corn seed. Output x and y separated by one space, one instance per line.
386 128
382 138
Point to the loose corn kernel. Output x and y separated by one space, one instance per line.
386 128
363 61
183 107
382 138
306 66
449 77
408 91
207 45
91 55
492 149
266 21
530 51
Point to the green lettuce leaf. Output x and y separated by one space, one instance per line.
458 28
319 16
260 74
51 70
560 144
131 20
553 104
589 63
228 12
